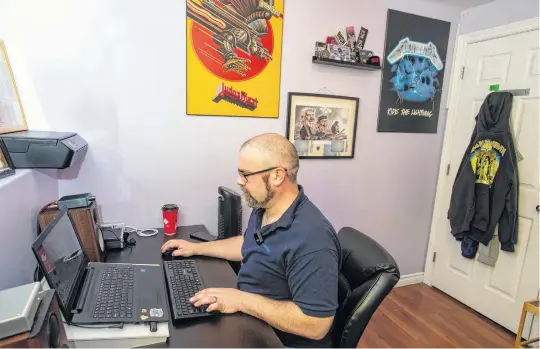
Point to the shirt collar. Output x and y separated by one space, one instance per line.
287 217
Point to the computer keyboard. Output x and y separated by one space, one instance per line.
183 281
115 297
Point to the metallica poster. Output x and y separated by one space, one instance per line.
412 79
234 57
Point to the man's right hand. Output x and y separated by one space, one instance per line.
230 249
182 248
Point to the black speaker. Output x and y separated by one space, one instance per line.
47 331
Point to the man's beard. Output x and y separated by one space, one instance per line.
254 203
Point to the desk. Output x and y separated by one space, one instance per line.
236 330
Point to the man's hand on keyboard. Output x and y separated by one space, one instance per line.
182 248
224 300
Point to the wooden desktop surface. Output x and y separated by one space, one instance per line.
235 330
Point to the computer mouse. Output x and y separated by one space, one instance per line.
168 253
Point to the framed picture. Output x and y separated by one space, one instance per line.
413 73
233 57
11 111
322 126
6 167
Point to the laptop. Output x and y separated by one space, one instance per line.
97 293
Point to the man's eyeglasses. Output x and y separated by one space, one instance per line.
245 175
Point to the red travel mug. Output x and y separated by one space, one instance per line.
170 218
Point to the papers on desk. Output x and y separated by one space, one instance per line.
130 336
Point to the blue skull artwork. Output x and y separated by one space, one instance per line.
415 79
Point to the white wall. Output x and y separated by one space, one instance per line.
497 13
21 197
114 71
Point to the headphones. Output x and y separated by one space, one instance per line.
259 239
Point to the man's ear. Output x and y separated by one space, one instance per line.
280 176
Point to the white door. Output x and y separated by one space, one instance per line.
497 292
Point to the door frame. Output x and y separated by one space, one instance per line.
439 221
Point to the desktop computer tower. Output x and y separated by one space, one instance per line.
229 217
86 222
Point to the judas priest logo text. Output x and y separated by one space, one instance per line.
240 99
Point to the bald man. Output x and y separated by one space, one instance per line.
290 252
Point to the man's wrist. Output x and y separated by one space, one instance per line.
246 300
199 248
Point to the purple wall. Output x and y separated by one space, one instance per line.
21 197
115 73
500 12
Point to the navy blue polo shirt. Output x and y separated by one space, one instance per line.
298 261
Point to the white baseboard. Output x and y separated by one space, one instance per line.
411 279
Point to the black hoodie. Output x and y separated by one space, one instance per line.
485 191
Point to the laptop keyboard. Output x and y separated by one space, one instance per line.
115 297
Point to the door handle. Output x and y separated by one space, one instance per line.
537 208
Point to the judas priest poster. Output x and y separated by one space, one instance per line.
234 57
412 79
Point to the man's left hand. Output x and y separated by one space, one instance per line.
224 300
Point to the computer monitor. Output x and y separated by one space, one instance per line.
229 213
229 217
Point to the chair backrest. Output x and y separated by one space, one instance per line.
368 274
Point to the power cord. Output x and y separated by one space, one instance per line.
141 232
144 233
120 325
127 241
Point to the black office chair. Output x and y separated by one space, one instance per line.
368 274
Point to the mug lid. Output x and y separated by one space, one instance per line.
169 207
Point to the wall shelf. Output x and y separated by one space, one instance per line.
351 65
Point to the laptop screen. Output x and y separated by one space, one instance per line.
61 256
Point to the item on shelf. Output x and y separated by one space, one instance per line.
345 47
321 50
351 40
365 55
351 37
339 53
362 37
374 60
322 126
340 38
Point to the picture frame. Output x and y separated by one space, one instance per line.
322 126
12 117
6 166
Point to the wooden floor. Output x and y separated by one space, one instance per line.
420 316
